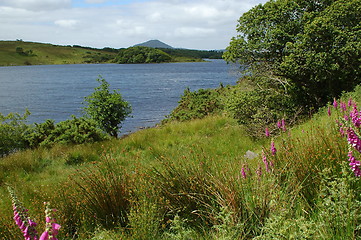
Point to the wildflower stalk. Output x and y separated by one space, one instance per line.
26 225
51 227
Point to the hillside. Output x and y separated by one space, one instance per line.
153 44
15 53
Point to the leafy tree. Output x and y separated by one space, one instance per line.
314 45
106 108
141 54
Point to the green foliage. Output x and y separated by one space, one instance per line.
314 45
261 106
198 104
106 108
142 55
73 131
12 128
213 54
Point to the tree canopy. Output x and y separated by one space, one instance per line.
141 54
313 45
106 108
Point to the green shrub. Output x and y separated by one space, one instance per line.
12 128
259 106
73 131
198 104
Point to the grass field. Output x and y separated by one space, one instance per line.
45 54
192 180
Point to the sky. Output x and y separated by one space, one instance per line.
192 24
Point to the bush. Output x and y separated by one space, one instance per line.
12 128
198 104
73 131
258 108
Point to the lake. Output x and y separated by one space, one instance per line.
153 90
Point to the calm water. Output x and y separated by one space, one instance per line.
57 91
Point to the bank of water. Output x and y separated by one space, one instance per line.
57 91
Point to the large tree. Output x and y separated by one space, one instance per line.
107 108
314 45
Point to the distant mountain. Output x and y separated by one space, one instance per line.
154 44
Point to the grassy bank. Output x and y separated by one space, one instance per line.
193 180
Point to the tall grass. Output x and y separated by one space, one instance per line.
194 180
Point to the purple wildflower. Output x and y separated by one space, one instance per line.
51 227
354 164
350 102
267 133
353 139
26 225
329 111
343 106
243 173
355 117
259 170
279 124
283 125
273 148
264 159
335 104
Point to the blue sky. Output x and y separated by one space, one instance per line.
193 24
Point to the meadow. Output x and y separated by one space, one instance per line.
199 179
17 53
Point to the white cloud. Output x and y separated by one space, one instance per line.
196 24
66 23
36 5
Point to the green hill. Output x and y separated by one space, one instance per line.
15 53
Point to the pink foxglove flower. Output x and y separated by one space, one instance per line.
266 164
329 111
259 171
283 125
354 164
343 106
353 139
355 117
243 173
335 104
51 227
26 225
279 124
273 148
267 133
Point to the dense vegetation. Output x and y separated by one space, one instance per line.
203 179
312 49
195 54
236 162
142 55
13 53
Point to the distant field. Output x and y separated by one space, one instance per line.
15 53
